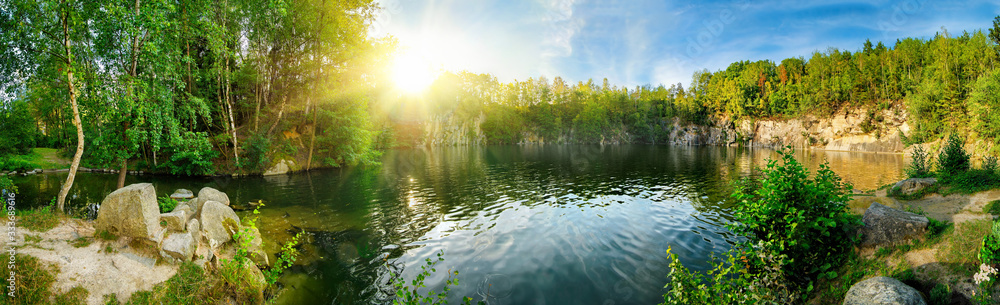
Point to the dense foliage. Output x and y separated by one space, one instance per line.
797 228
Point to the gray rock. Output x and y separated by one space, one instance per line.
182 194
211 194
885 226
189 212
176 220
194 227
882 291
913 185
196 205
218 223
179 246
280 168
130 211
257 254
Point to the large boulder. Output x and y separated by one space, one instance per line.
882 291
281 167
179 246
913 185
211 194
130 211
218 223
885 226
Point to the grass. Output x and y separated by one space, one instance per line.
29 238
105 235
81 242
963 243
38 220
194 285
993 207
43 158
34 284
954 245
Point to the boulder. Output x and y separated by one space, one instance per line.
196 205
179 246
885 226
130 211
257 254
280 168
176 220
182 194
189 212
194 227
218 223
211 194
913 185
882 291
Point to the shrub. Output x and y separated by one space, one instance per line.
797 228
192 154
990 251
7 186
918 167
802 219
940 295
166 204
952 160
255 153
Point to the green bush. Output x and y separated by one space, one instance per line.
192 154
19 163
255 154
990 251
940 295
952 160
19 128
797 229
7 185
919 167
794 216
407 293
502 125
166 204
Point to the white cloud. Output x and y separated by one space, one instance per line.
561 27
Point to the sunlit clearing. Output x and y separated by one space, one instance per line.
412 73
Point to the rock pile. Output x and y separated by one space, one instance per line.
199 228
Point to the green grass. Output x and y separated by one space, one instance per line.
34 284
38 220
992 208
81 242
105 235
963 242
43 158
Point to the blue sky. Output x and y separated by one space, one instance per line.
636 42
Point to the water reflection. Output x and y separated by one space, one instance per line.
523 224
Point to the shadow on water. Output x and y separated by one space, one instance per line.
525 224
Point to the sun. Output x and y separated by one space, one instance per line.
412 73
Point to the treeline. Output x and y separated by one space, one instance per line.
190 87
943 81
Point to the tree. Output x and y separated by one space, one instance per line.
41 37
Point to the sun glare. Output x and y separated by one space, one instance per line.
412 73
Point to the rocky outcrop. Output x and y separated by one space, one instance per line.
130 211
913 185
885 226
855 130
882 291
181 234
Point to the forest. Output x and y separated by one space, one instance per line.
228 87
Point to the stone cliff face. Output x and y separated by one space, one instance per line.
852 130
855 130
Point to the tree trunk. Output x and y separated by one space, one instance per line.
122 173
312 140
61 199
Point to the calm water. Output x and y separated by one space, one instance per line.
522 224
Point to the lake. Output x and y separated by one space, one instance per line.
531 224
